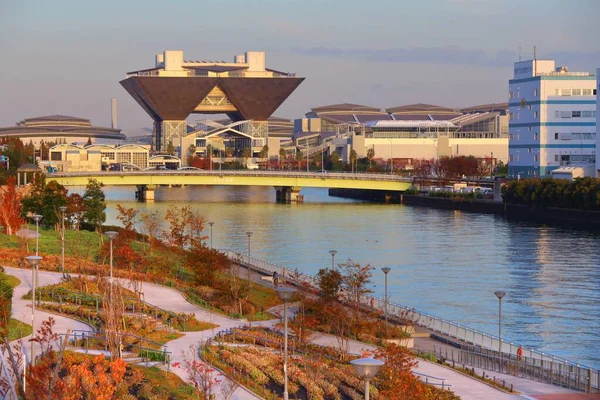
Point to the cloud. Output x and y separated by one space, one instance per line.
443 55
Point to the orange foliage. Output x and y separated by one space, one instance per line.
10 207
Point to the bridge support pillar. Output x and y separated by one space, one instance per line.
145 193
288 194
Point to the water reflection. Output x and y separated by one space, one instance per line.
445 262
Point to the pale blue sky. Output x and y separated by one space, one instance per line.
63 56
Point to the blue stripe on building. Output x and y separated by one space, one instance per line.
538 102
554 78
552 146
532 124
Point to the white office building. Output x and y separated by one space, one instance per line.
552 118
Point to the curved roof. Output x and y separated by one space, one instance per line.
486 107
29 168
410 124
52 126
419 107
345 107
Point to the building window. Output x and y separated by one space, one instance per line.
535 157
566 92
556 136
586 114
576 92
594 92
510 95
556 114
511 158
576 114
529 150
556 158
586 136
586 92
565 136
529 129
557 92
535 114
529 106
576 136
535 92
518 136
565 114
511 137
535 136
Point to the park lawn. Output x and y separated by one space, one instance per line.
13 281
164 385
17 329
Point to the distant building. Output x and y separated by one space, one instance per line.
245 90
61 129
552 118
597 130
98 157
408 132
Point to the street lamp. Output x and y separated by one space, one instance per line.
211 225
62 237
111 236
366 368
249 234
33 261
386 270
333 253
500 294
37 218
285 293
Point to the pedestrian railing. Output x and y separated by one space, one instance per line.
432 380
553 373
454 333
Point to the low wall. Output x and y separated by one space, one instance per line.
380 196
472 205
551 215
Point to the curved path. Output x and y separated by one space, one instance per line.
172 300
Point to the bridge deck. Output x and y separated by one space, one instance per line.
237 178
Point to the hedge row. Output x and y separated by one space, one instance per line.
580 194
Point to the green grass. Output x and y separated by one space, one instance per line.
17 329
165 384
12 280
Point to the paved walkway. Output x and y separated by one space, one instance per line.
170 299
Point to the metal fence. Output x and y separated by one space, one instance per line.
452 330
548 372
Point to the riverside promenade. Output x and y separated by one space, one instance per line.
170 299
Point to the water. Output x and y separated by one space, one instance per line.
447 263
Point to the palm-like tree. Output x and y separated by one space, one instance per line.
353 157
370 155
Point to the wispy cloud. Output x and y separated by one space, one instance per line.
443 55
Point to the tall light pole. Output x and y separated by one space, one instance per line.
62 236
111 236
33 261
500 294
366 368
249 235
333 253
285 293
37 218
211 225
386 270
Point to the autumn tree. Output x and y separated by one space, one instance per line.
45 199
264 152
95 205
355 282
127 216
299 158
151 224
10 207
178 219
75 209
282 156
329 282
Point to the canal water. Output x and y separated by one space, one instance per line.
447 263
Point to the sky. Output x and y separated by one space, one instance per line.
67 57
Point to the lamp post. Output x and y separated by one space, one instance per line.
33 261
62 236
111 236
211 225
333 253
366 368
249 234
285 293
37 218
386 270
500 294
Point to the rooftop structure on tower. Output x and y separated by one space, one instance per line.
244 89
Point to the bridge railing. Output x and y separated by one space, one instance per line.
473 339
249 173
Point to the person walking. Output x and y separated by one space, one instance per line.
520 353
275 279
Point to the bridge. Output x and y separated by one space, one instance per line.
286 183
